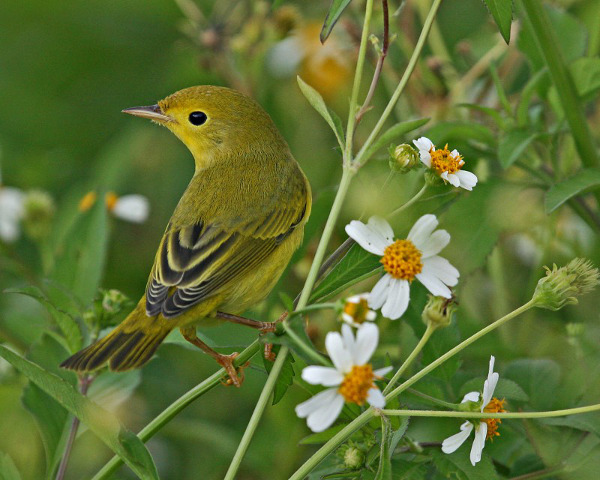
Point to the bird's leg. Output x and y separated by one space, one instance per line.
226 361
263 327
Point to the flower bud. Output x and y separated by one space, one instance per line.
438 311
561 286
403 158
352 455
108 309
39 211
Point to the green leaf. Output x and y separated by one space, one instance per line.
286 376
110 389
578 183
333 15
392 134
589 422
356 265
458 466
513 144
398 434
317 102
491 112
8 469
455 132
539 378
322 437
63 318
105 425
501 11
80 260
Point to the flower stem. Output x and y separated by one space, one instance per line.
404 206
428 332
435 401
257 413
500 415
412 63
450 353
308 351
316 306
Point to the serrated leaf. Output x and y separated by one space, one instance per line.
322 437
393 134
501 11
589 422
105 425
356 265
64 319
458 466
513 144
539 378
286 376
573 186
8 469
335 11
317 102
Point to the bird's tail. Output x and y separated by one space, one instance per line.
128 346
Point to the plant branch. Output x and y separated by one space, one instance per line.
500 415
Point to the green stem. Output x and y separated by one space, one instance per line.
257 413
500 415
450 353
359 160
549 46
411 357
308 351
416 197
364 40
310 308
433 400
178 405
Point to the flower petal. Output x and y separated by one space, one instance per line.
348 338
371 241
382 228
452 443
471 397
490 384
367 339
132 208
453 180
340 356
423 143
442 269
323 418
379 294
326 376
467 179
380 372
478 443
375 398
397 299
435 243
422 229
316 402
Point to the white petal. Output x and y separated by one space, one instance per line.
367 339
349 319
378 295
426 159
323 418
435 286
340 356
382 228
132 208
368 239
375 398
453 180
380 372
442 269
371 316
422 229
471 397
9 229
454 153
478 443
357 298
397 299
326 376
12 202
348 338
435 243
490 384
467 179
452 443
423 143
444 176
285 57
320 400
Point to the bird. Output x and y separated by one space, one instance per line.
230 237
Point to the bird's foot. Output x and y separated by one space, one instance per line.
236 375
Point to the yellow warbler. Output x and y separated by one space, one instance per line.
230 237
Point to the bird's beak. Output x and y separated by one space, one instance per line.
153 112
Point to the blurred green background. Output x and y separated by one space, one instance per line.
68 68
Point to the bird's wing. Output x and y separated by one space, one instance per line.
197 261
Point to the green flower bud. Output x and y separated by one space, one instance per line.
561 286
403 158
575 329
438 311
352 456
39 211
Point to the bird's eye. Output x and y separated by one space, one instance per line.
198 118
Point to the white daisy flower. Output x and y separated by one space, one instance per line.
352 378
356 310
405 260
447 164
12 211
131 208
487 428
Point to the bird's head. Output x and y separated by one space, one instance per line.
214 122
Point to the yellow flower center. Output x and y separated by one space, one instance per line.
87 201
442 160
495 406
111 201
402 260
357 384
357 310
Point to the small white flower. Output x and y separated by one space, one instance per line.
352 378
131 208
405 260
446 163
12 210
356 310
487 428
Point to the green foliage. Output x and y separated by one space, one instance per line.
457 465
585 179
8 470
501 10
333 15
